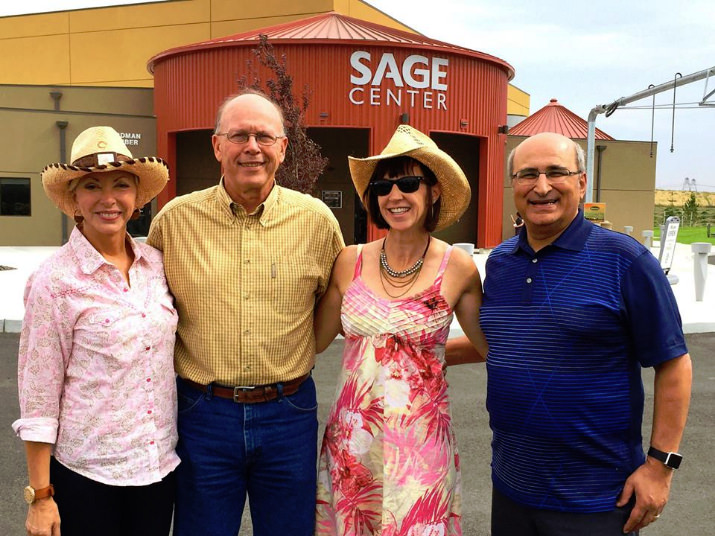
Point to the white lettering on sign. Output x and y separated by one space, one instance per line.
417 72
364 70
130 138
422 80
389 69
353 95
438 73
410 97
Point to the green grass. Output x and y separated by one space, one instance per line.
688 235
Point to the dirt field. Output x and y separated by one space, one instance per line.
678 197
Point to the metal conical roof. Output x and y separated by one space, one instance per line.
332 28
555 117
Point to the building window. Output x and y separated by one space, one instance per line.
14 197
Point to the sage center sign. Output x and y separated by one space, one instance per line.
419 82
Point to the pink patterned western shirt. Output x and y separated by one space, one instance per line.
95 368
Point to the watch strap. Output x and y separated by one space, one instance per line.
670 459
41 493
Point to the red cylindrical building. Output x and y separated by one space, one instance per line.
364 80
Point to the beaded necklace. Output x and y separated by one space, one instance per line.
400 278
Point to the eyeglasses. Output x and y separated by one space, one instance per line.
407 185
554 175
239 137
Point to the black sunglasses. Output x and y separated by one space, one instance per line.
407 185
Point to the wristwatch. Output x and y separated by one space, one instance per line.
32 495
670 459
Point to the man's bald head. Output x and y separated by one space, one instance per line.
550 138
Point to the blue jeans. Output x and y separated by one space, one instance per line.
267 450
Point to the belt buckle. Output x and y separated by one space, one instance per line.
241 389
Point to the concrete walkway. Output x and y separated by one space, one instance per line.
698 317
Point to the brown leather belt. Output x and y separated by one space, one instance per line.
250 394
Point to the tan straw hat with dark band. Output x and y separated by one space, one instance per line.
407 141
97 150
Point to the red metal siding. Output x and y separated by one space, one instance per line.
189 87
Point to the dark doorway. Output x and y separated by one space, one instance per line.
335 186
196 166
360 221
465 151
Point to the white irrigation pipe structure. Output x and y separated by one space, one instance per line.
608 109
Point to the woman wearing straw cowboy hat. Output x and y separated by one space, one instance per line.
389 462
95 367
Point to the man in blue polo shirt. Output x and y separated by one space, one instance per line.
572 312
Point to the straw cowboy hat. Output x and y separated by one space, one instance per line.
407 141
101 149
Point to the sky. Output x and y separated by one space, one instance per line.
583 54
590 53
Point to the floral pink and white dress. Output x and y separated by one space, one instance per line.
389 462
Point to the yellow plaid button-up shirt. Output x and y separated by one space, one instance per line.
246 285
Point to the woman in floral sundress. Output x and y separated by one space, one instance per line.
389 463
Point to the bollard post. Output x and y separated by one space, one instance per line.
647 238
700 266
708 230
628 229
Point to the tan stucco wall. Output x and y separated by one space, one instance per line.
518 101
42 228
627 185
30 139
114 101
111 46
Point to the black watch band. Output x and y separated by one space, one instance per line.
670 459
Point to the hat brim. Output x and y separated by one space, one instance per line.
455 190
153 174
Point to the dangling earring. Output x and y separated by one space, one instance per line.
136 214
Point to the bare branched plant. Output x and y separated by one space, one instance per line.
304 162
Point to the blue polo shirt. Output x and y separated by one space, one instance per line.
569 328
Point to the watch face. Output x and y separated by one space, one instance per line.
674 460
29 494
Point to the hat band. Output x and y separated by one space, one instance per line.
100 159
